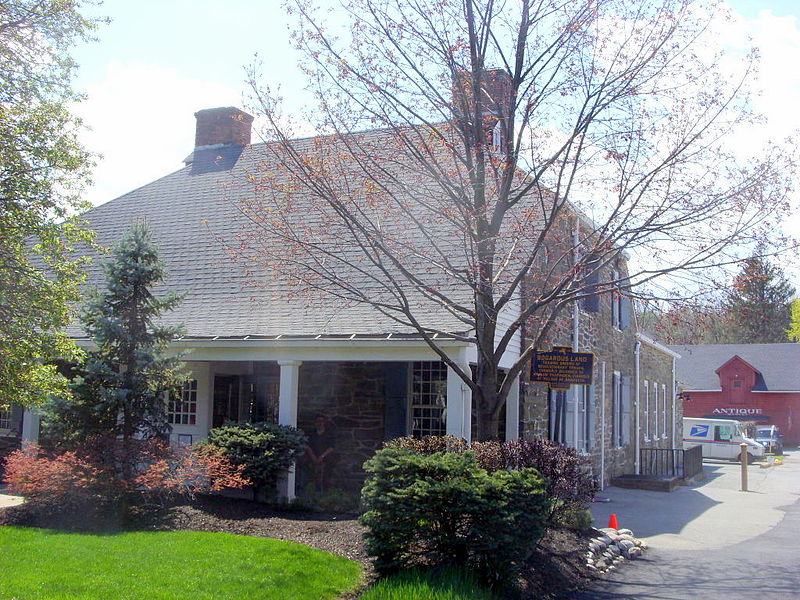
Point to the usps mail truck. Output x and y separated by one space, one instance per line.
720 438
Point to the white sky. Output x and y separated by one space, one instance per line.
160 61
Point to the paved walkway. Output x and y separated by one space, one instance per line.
7 499
711 540
714 513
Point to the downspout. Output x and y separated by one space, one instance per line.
603 425
576 315
637 352
674 391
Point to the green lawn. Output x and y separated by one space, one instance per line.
52 565
448 584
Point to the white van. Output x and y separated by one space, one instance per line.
720 438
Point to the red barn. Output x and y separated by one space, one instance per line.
749 382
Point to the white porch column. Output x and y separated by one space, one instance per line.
512 411
287 415
30 426
459 401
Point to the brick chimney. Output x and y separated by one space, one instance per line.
224 126
495 101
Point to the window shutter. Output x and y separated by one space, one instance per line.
16 418
592 303
396 400
624 311
590 418
626 410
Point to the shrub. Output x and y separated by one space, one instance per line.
169 471
67 481
567 474
429 444
262 449
568 479
443 509
84 479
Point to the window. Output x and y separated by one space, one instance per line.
5 417
616 409
184 411
723 433
664 411
646 410
655 411
428 398
497 137
562 415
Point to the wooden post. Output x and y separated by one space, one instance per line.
743 459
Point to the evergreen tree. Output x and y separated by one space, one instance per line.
757 306
794 328
122 391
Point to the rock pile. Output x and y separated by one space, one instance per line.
610 547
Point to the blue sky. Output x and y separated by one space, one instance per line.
158 62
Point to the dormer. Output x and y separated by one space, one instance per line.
738 377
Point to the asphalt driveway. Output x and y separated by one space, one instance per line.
711 540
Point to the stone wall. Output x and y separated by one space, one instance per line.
655 367
352 395
612 347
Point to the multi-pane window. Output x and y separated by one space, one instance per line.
428 398
5 417
184 411
564 409
655 410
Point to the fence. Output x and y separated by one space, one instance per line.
671 462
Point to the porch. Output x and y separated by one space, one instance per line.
369 390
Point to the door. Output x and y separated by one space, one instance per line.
226 399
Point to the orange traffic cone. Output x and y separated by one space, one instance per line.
612 522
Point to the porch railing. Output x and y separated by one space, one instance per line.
671 462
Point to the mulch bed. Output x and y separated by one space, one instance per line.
556 569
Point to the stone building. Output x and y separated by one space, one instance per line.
631 403
261 354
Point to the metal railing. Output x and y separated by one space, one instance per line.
671 462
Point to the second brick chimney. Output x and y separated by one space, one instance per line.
224 126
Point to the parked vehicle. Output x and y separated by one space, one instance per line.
720 438
771 438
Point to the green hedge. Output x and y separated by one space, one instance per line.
264 449
443 509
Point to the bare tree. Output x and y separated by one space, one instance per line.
480 158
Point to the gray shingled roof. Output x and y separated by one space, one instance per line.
188 212
779 364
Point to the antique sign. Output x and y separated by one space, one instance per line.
561 367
